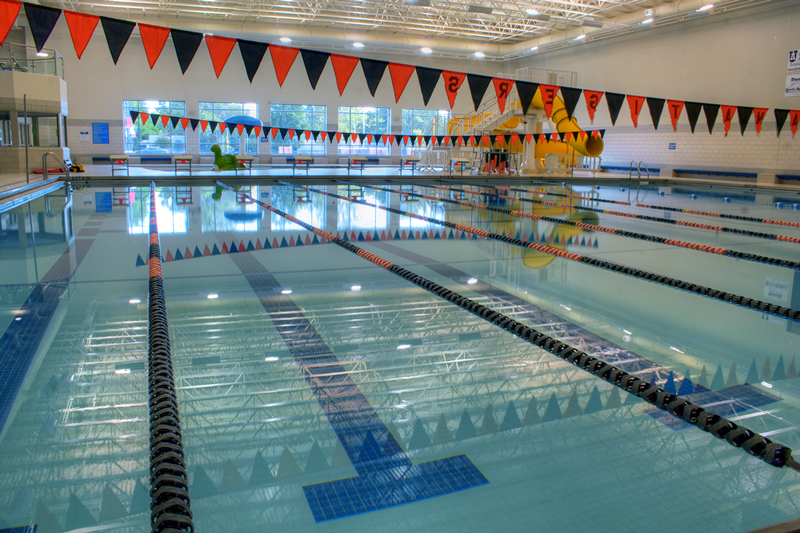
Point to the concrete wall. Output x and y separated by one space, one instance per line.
736 58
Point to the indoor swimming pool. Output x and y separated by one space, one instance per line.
319 391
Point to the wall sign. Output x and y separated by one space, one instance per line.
673 146
792 85
794 61
84 136
99 132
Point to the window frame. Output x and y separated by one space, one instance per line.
376 149
316 116
173 108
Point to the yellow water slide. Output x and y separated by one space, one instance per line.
590 146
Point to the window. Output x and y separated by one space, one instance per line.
375 120
424 122
230 143
41 130
5 128
299 117
149 139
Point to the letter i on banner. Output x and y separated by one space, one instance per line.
635 103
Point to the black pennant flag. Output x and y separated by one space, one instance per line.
186 44
213 125
477 87
711 111
493 139
744 117
42 20
602 133
361 137
230 127
117 34
439 139
373 71
175 121
194 122
428 78
571 97
453 140
536 137
427 139
331 136
315 134
134 115
561 135
155 118
780 119
656 106
526 91
252 54
249 128
315 63
693 112
282 131
614 101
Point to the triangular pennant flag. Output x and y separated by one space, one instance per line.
175 121
794 120
760 113
186 44
315 133
452 83
635 104
165 120
361 137
711 111
219 48
291 133
373 72
275 133
656 107
548 93
81 27
153 38
154 117
592 101
41 20
283 132
502 89
693 113
727 116
315 63
744 117
184 123
134 116
252 55
427 139
9 10
675 107
203 125
526 91
239 127
213 124
614 101
194 122
561 136
400 75
477 87
571 96
369 138
780 119
338 136
117 34
282 59
144 117
343 67
428 78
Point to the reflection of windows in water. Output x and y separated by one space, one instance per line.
423 208
285 199
173 217
229 213
354 216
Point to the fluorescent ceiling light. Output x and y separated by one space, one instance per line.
706 7
592 23
472 281
358 45
426 50
647 21
531 12
122 371
404 347
286 291
580 37
533 49
134 301
285 40
271 358
418 3
42 54
480 55
355 288
213 296
18 318
479 9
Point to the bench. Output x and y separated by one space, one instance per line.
787 177
246 160
300 160
184 160
161 160
120 162
359 160
461 161
409 160
727 173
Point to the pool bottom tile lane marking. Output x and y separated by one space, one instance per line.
753 443
386 476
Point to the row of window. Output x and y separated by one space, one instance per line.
156 139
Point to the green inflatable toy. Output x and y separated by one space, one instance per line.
224 162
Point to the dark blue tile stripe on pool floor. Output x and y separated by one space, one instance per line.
386 476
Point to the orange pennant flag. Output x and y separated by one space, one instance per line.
343 67
81 27
282 59
219 48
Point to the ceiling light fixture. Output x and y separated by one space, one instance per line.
212 296
134 301
480 55
706 7
472 281
42 54
531 12
285 40
286 291
592 23
426 50
404 347
541 18
355 288
473 8
272 358
418 3
580 37
358 45
533 49
647 21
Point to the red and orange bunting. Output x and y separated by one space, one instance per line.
760 113
81 28
452 83
675 107
635 104
502 88
400 75
9 9
548 93
219 48
282 59
153 38
727 115
343 67
592 101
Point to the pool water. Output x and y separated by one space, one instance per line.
410 414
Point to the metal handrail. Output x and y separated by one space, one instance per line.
639 167
58 160
630 172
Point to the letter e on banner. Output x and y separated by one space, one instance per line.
548 95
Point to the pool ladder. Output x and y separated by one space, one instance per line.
638 167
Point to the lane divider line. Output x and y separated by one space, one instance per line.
773 453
